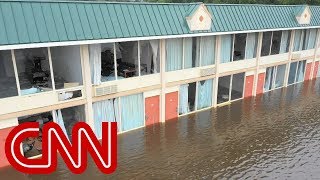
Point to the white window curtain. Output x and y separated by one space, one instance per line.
226 48
204 94
251 47
183 99
297 40
187 53
155 47
281 71
284 42
174 54
105 111
95 63
269 79
300 72
208 50
60 122
132 112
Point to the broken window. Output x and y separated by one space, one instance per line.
149 57
239 47
33 70
266 43
276 40
32 146
224 89
127 59
68 117
237 86
187 97
8 87
66 62
107 65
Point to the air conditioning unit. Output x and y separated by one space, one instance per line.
296 56
101 91
207 71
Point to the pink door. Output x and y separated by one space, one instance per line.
249 86
308 71
315 71
152 110
171 105
260 84
3 135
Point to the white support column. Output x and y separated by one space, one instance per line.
258 54
51 69
216 79
163 81
289 58
315 54
16 71
87 84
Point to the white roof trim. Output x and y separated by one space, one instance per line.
84 42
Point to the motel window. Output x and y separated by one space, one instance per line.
32 146
68 117
309 39
239 47
274 77
33 70
174 54
296 72
230 87
195 96
115 61
276 42
66 62
191 52
8 87
235 47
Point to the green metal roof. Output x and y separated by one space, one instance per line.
25 22
299 10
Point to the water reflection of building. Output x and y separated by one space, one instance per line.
156 62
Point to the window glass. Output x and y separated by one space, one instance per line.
239 47
174 54
266 42
292 72
66 62
237 86
107 62
251 47
281 71
33 70
149 57
127 59
8 85
276 40
223 89
226 48
32 146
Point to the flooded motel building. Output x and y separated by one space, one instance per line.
144 63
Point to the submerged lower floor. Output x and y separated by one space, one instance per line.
270 136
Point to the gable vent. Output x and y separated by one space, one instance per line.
207 72
101 91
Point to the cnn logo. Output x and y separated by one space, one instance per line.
74 152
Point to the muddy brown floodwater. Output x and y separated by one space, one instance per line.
276 135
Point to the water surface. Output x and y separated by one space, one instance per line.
274 136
